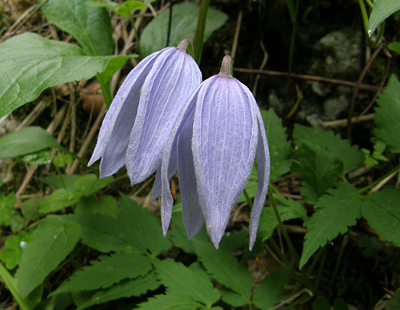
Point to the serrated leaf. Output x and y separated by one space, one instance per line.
268 294
381 210
382 10
334 213
279 147
170 302
318 168
59 199
288 209
26 140
50 243
184 23
387 115
106 205
184 281
107 271
351 156
59 181
11 253
126 288
30 63
226 269
90 26
89 184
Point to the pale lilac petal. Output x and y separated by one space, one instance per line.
170 147
191 211
224 145
172 169
174 77
263 165
118 122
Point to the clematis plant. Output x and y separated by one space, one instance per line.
143 111
213 144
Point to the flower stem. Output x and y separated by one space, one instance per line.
201 26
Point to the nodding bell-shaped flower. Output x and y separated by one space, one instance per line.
142 113
213 145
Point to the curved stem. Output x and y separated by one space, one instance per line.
201 26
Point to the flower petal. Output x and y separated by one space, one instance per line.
173 78
118 122
169 148
263 165
224 146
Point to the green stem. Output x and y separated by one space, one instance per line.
364 15
201 26
246 195
105 90
292 39
12 286
397 168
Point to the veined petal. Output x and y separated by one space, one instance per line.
173 78
170 147
191 211
263 165
224 145
118 122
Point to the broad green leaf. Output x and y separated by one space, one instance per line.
321 303
11 253
59 181
351 156
184 23
9 215
388 114
394 303
126 288
381 210
182 280
288 209
268 294
105 272
334 213
30 208
123 9
26 140
90 26
89 184
394 47
50 243
30 63
226 269
382 10
279 147
318 168
106 205
170 302
59 199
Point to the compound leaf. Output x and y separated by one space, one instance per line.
388 114
50 243
333 214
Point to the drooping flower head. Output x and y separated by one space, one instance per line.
143 111
213 145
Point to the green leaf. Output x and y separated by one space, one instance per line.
181 280
268 294
105 272
382 10
9 215
26 140
59 199
123 9
11 253
30 63
90 26
30 208
62 159
394 303
321 303
279 147
394 47
39 158
318 168
351 156
381 210
50 243
89 184
387 116
251 189
126 288
226 269
106 205
170 302
184 23
288 209
58 181
333 214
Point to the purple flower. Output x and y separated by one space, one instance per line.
213 145
142 113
